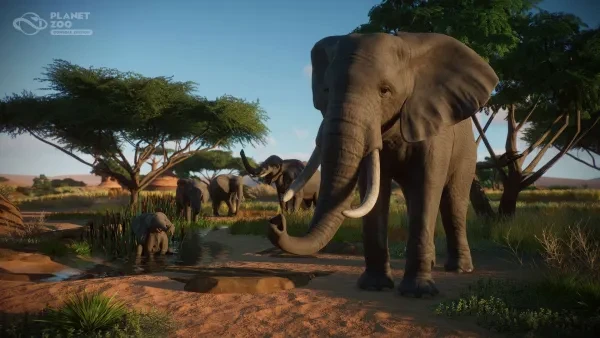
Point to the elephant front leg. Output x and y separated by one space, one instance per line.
423 200
215 206
229 203
298 200
281 203
188 213
163 244
378 273
139 250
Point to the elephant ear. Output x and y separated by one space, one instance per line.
450 83
320 57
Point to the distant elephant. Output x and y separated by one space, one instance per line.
282 173
395 107
152 232
189 197
229 189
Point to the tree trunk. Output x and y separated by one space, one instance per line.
133 199
510 195
479 200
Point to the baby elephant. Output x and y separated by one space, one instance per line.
152 231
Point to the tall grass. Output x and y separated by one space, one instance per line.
531 221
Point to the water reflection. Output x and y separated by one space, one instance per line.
191 251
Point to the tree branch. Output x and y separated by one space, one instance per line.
487 145
487 124
542 151
591 165
61 149
528 180
522 123
542 137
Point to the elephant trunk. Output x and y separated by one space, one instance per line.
344 145
251 170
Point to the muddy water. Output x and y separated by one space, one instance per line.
191 251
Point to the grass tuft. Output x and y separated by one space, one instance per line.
86 313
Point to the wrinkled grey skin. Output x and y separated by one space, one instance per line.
157 241
189 197
283 173
146 229
229 189
403 102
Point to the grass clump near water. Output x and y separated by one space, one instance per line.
89 315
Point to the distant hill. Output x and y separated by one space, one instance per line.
89 179
27 180
545 182
93 180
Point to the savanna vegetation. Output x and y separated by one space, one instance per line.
549 70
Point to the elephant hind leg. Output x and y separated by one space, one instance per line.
453 209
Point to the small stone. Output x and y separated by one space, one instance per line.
252 285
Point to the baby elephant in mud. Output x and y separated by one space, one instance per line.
152 231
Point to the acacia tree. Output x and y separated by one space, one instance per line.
540 63
211 164
552 79
102 112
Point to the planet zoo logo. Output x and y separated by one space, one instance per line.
60 23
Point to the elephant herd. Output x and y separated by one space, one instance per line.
192 193
395 107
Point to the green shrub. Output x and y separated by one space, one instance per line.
7 190
80 248
551 308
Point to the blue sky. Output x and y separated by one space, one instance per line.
250 49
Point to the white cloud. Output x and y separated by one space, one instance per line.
301 134
307 70
271 142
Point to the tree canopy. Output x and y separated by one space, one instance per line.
210 164
101 112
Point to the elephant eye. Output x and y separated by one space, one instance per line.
384 91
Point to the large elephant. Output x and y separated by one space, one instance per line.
152 231
190 195
395 107
229 189
283 173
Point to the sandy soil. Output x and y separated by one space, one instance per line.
329 305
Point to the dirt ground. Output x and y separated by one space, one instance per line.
328 306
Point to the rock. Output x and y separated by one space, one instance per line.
252 285
10 214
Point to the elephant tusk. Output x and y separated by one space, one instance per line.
311 168
263 174
373 178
